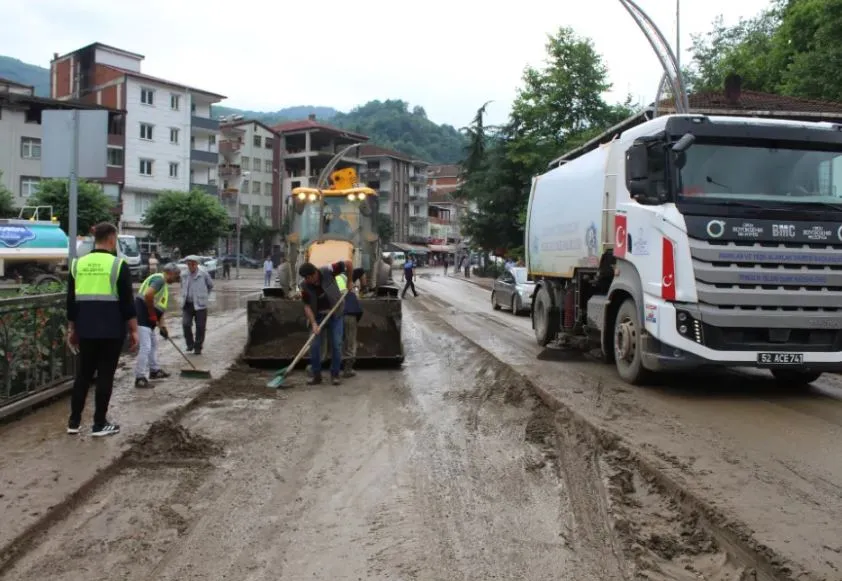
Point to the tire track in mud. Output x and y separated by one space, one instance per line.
626 506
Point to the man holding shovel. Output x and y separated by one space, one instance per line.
151 304
320 292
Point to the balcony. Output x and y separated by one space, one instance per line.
370 175
384 193
205 157
418 219
209 189
204 123
230 146
230 170
418 179
229 193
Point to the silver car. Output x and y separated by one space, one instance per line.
513 290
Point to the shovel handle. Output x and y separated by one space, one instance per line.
313 335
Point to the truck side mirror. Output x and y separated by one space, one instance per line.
644 172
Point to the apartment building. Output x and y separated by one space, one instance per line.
401 184
170 137
250 170
445 211
307 147
20 139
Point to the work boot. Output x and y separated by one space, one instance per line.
315 380
348 369
334 379
141 383
158 374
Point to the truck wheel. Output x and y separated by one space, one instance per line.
627 344
494 303
792 378
544 318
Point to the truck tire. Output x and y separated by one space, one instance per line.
627 344
44 280
545 319
792 378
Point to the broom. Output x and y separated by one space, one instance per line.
278 380
195 372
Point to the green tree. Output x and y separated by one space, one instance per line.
7 201
190 221
258 233
385 228
93 205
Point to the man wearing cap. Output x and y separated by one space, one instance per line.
196 286
151 304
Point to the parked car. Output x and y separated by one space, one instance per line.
245 261
210 264
513 289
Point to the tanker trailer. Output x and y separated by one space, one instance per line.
338 223
692 241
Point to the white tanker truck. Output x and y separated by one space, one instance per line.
692 241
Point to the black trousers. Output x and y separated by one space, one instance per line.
410 284
96 357
188 314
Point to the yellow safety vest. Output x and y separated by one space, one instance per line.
95 277
162 297
341 282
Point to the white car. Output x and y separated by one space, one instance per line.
182 266
210 265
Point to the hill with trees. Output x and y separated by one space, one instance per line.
389 123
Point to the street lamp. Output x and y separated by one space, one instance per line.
239 222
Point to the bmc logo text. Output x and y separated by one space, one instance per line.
783 230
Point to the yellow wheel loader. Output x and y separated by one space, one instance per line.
326 226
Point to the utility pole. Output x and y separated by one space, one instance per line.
678 35
73 182
240 222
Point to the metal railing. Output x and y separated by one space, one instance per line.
33 352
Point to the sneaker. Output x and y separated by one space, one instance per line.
159 374
106 429
73 426
141 383
197 351
315 380
334 379
188 349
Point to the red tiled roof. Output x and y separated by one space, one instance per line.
371 150
305 124
755 101
444 171
150 78
241 122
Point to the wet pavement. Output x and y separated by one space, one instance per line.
448 468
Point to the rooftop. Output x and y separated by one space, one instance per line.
444 171
311 124
161 81
9 82
47 103
371 150
134 55
241 122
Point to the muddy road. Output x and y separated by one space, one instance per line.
764 458
446 469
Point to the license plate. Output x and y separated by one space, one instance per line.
780 358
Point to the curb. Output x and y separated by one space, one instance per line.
734 536
470 280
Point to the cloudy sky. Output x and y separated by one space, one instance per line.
445 55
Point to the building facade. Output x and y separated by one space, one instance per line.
20 139
170 137
401 184
307 146
251 171
445 211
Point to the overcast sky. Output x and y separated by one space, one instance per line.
445 55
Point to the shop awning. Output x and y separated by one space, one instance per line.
446 249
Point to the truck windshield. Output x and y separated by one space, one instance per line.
128 246
761 174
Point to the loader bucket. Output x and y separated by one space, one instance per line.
278 329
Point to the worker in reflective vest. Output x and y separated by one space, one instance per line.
100 307
151 303
353 312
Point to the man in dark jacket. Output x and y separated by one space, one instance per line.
100 305
353 314
409 276
320 293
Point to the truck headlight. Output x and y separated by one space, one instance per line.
689 327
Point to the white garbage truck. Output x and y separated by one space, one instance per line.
694 241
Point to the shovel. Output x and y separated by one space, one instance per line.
278 380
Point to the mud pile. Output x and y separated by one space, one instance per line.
167 440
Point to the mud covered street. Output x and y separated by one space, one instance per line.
760 457
447 469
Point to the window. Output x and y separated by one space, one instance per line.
267 188
146 167
255 211
255 187
146 131
141 204
115 157
269 143
173 170
30 148
174 136
244 162
268 165
28 186
175 101
257 141
267 212
211 140
192 107
192 142
147 96
245 187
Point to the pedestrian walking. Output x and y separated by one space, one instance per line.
151 304
196 286
409 276
445 266
100 306
153 263
320 292
226 268
268 267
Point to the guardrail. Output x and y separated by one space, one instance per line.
33 353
